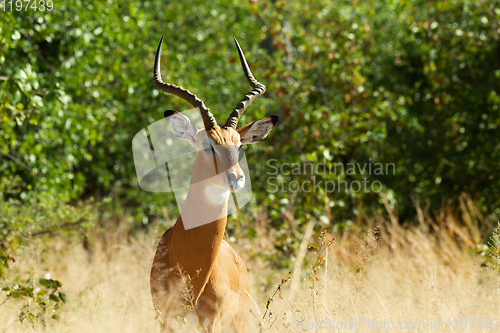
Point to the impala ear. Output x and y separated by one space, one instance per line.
257 131
182 127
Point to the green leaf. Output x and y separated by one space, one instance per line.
54 298
62 296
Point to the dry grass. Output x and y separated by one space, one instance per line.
418 282
392 273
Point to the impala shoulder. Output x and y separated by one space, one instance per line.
231 253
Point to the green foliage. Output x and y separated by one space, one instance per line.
444 73
34 222
42 299
490 250
410 83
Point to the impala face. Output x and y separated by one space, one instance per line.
226 161
224 148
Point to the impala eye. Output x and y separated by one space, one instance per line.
241 153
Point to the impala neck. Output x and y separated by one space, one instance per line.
195 249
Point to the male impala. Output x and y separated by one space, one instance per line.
218 278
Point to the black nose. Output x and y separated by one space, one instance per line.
234 178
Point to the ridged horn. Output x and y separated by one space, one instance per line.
257 90
208 118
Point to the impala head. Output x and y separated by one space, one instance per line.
218 148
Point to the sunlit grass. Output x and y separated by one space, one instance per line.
392 274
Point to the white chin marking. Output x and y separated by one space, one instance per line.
217 194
